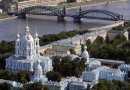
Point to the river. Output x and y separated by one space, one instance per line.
8 28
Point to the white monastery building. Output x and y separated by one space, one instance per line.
95 71
27 54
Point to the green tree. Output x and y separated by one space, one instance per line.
53 76
99 40
88 87
119 39
72 51
120 27
35 86
4 3
6 86
23 76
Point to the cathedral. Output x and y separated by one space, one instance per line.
27 54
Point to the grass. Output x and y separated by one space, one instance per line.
3 15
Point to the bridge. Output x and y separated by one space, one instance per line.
61 14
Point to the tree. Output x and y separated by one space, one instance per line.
4 3
111 85
35 86
53 76
88 87
23 76
99 40
72 51
120 27
119 39
76 72
88 42
127 61
6 86
126 24
68 67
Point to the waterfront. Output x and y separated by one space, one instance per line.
8 28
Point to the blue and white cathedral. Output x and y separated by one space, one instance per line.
27 54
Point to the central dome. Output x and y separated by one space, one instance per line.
27 38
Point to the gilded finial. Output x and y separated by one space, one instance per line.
27 28
18 36
36 35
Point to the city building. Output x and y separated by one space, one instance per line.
55 51
70 83
27 54
124 67
63 48
95 71
113 33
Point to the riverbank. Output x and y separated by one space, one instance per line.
107 26
85 4
13 17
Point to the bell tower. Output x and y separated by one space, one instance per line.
17 45
36 43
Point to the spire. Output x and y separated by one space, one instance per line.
18 36
85 53
36 35
85 48
27 28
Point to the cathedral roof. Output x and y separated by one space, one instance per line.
27 38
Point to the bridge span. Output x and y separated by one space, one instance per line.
61 14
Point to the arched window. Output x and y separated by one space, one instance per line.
18 51
23 52
36 51
17 44
29 45
36 43
29 53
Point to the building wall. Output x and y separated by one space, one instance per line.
56 52
77 48
92 39
89 76
111 36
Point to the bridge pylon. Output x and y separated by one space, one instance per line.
61 18
22 16
64 11
77 19
80 9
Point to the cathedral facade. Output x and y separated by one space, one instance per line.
27 54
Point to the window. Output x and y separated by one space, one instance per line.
28 45
36 43
23 52
18 44
37 51
18 51
29 53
